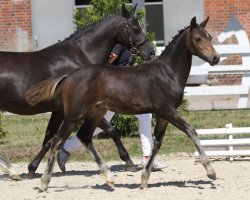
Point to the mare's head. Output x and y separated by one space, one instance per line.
200 42
132 36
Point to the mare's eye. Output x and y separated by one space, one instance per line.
136 30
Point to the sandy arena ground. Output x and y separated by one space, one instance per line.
184 179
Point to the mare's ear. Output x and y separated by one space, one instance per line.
193 23
204 23
134 9
125 12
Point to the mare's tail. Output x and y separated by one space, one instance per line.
43 91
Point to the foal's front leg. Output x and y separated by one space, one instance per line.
175 119
160 129
56 144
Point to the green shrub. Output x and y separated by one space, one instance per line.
126 125
2 132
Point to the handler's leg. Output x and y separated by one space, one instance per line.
147 141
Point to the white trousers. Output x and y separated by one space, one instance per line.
144 130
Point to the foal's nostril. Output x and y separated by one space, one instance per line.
152 53
216 59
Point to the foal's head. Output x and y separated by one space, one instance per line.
200 42
131 34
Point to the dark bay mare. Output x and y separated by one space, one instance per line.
154 87
91 44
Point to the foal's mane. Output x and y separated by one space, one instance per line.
173 41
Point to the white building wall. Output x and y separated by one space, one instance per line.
52 20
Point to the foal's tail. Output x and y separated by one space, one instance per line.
43 91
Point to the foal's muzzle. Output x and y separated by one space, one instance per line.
214 59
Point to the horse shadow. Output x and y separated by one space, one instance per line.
199 184
86 173
181 184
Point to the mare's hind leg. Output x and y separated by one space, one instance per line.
175 119
57 143
7 168
53 126
160 129
85 134
106 126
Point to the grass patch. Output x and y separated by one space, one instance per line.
26 134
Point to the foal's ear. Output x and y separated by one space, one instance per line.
193 23
204 23
125 12
134 9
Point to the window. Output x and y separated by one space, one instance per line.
154 20
82 2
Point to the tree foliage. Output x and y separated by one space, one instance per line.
97 11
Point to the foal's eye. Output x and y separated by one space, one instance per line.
198 39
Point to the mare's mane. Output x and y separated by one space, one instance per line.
82 28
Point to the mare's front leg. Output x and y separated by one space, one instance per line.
160 129
85 134
8 169
53 126
174 118
56 144
106 126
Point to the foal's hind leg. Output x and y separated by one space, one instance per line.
106 126
56 144
160 129
175 119
53 126
85 134
7 168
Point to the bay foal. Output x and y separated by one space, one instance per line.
154 87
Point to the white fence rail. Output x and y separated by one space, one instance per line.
228 146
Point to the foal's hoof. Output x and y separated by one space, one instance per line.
40 190
110 183
212 176
144 182
15 177
144 186
130 168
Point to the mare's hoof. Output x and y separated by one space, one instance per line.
130 168
212 176
15 177
30 175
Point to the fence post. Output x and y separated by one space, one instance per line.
230 138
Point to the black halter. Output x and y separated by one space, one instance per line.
134 46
